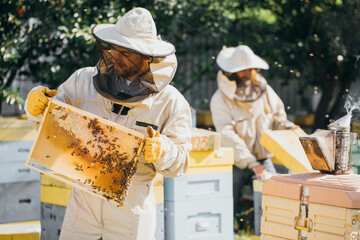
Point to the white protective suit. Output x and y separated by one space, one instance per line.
241 123
90 217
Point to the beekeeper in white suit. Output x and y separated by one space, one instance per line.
129 86
242 108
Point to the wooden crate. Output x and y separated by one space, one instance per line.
311 206
98 155
204 140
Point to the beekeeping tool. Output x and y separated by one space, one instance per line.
330 150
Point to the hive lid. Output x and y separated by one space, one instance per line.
215 158
343 122
16 129
327 189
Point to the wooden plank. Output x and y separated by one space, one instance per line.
98 155
287 149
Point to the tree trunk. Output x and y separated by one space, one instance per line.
321 119
328 85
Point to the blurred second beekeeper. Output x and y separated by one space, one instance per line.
129 86
242 108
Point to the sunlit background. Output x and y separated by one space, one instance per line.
312 48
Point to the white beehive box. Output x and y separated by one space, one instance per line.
199 205
98 155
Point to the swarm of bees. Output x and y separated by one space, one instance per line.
102 151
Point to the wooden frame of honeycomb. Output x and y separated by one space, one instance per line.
99 156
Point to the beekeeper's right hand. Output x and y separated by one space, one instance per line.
153 148
259 171
38 100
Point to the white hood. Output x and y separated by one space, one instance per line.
164 71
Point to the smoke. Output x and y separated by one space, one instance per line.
351 104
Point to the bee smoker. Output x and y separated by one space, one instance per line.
344 140
330 150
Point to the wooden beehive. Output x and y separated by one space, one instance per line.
311 206
97 155
204 140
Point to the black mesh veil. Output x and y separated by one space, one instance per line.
117 88
247 91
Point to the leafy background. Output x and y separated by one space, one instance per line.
315 43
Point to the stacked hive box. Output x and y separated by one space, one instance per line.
158 186
19 185
311 206
200 204
54 198
257 189
287 150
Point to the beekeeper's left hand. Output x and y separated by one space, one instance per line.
154 148
38 100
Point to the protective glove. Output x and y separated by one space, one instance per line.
38 100
259 171
153 148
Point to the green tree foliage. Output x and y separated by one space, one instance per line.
313 42
47 40
319 43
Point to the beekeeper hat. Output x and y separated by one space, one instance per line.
135 31
235 59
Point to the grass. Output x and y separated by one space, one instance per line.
245 236
244 222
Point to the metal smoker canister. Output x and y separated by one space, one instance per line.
343 147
